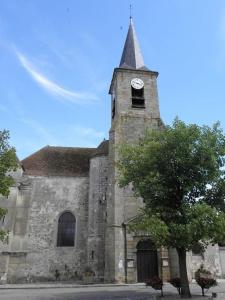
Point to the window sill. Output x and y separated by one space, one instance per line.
138 106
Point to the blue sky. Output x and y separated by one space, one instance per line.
57 59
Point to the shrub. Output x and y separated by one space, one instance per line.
176 283
156 283
204 279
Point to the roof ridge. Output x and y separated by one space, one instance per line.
29 156
70 147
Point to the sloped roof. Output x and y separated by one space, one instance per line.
132 57
58 161
102 149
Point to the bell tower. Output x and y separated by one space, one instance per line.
133 91
134 107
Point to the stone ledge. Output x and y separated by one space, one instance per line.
14 253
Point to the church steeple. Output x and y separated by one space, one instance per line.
132 57
135 108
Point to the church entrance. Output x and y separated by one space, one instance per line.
147 260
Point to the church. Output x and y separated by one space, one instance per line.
67 217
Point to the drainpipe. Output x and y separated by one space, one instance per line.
125 250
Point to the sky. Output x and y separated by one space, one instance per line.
57 60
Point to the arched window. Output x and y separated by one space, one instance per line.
66 230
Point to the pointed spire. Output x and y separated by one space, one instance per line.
132 57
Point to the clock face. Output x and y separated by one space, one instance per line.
137 83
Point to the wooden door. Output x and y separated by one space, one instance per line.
147 261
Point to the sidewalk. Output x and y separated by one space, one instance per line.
49 285
68 290
170 293
56 285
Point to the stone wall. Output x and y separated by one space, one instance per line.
212 259
97 216
7 223
32 253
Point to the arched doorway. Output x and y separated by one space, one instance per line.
147 260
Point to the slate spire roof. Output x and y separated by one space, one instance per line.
132 57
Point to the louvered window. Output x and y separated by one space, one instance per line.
138 100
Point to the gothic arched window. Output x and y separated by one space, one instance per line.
66 230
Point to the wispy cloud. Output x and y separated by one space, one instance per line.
80 136
19 113
40 131
52 87
86 132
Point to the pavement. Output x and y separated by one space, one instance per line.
70 291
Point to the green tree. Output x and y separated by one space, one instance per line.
8 163
179 172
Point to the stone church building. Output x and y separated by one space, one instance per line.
67 218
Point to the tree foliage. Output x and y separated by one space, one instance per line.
8 164
179 172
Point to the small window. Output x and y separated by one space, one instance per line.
113 108
138 100
66 230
